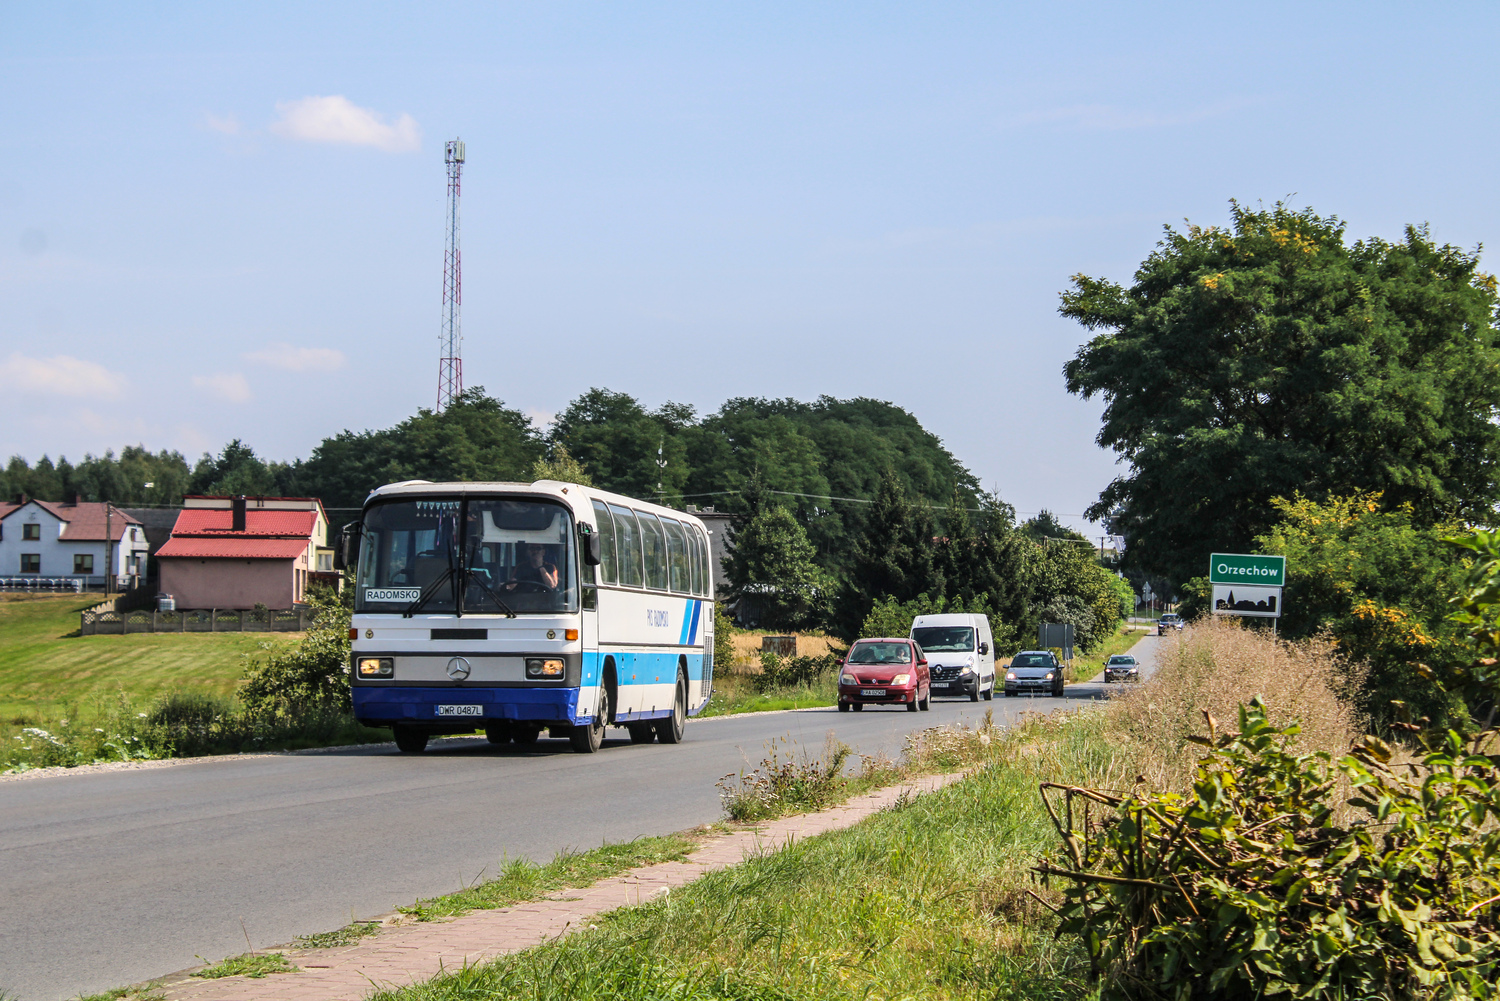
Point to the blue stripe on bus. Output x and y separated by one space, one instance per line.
693 629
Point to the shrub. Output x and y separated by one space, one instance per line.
312 674
1250 886
789 672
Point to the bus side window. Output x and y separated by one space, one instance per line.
701 578
628 544
608 564
679 568
654 543
695 561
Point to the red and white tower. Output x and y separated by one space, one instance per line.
450 340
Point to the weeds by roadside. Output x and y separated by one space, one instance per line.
521 879
350 934
254 965
148 993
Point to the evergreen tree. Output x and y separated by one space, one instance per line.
772 567
894 558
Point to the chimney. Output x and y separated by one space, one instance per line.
237 507
77 499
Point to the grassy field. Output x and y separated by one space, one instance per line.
45 666
934 898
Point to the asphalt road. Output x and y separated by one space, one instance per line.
111 878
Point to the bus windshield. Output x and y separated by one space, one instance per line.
475 555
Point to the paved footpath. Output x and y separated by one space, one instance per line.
409 953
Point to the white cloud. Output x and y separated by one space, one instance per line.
229 125
296 359
230 386
339 120
60 375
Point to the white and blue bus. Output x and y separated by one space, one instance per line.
512 608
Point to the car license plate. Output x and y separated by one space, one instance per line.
460 710
878 693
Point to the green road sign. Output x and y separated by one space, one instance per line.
1239 568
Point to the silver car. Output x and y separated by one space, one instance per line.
1036 671
1121 667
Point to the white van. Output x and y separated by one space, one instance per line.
960 654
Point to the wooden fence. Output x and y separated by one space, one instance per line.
101 620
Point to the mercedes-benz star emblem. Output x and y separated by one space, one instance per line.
458 669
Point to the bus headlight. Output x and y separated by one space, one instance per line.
544 668
377 667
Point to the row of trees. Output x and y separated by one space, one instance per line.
913 558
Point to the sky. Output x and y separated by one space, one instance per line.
226 221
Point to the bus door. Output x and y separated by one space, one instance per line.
588 636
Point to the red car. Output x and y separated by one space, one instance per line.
883 672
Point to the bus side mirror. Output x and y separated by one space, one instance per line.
346 553
984 648
593 547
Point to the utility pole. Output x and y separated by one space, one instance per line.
109 547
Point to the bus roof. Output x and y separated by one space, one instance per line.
575 495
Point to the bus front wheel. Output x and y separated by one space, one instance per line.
669 730
587 737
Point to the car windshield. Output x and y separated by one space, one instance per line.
880 653
1031 660
478 555
944 639
1169 617
1122 660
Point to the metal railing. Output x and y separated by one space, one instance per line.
74 584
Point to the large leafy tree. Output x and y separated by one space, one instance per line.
476 437
894 558
1272 357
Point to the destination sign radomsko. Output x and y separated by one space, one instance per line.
1240 568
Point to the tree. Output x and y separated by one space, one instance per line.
1380 583
620 443
561 466
772 566
1059 571
1045 526
1270 357
236 470
894 558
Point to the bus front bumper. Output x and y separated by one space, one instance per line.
376 705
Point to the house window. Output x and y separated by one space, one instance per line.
31 562
83 562
31 531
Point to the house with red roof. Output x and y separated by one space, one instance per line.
239 552
78 539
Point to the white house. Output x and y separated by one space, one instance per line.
46 539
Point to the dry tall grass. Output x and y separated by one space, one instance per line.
747 648
1217 665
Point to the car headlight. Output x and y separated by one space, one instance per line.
901 679
1010 675
967 670
544 668
376 667
1049 675
848 679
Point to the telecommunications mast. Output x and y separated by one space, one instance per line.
450 339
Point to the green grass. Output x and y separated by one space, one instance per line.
929 899
148 993
522 880
45 666
252 964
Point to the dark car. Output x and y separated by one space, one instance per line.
1121 667
1034 671
1169 620
882 672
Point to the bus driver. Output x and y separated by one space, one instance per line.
536 569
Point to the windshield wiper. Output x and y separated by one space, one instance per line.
427 593
471 574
